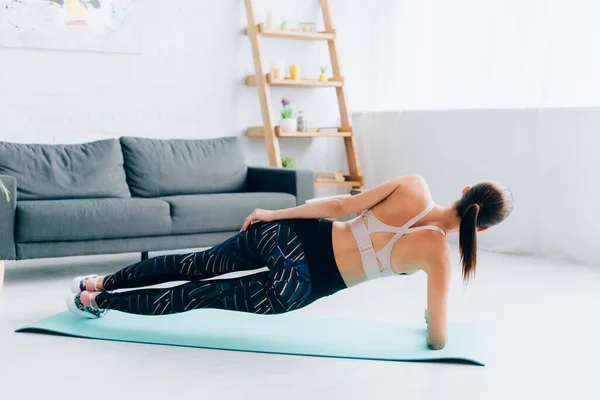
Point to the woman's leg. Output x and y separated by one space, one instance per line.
237 253
269 292
286 286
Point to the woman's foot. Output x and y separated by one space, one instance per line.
82 283
81 304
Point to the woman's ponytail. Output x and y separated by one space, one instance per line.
467 240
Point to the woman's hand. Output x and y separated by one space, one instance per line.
258 215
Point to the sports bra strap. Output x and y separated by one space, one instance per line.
426 228
419 216
362 234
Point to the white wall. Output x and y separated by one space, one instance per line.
188 82
439 54
396 55
517 70
548 158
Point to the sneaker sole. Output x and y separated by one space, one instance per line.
75 285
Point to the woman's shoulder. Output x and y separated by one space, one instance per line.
412 179
413 189
418 182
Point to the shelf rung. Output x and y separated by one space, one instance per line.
258 131
352 181
297 35
302 83
346 183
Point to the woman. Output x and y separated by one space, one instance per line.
308 257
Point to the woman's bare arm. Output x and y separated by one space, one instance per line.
438 285
339 207
331 208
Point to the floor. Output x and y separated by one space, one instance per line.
544 314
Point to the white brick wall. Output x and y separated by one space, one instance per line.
188 82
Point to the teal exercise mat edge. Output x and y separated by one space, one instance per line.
282 334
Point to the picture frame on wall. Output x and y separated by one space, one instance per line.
75 25
308 27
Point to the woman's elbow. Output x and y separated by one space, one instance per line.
337 208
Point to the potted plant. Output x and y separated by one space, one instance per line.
288 162
288 122
323 77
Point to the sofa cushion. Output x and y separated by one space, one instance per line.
66 220
74 171
157 167
220 212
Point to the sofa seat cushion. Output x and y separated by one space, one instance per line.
175 167
205 213
86 219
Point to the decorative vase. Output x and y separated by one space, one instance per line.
289 125
301 122
294 72
275 72
269 23
323 78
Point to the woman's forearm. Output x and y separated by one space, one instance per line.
331 208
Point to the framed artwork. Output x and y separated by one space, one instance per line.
81 25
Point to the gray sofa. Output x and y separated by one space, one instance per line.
133 195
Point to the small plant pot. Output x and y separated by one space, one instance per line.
323 78
289 125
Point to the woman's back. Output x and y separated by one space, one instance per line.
409 250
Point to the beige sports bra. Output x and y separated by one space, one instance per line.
369 256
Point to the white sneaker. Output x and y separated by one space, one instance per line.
78 284
75 305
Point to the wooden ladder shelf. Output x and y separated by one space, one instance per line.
263 82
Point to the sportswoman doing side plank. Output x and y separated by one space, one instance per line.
309 257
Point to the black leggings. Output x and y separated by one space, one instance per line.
284 287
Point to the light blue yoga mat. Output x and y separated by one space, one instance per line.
284 334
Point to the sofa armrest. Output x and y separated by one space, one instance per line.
300 183
7 218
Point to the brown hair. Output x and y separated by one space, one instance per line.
482 206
